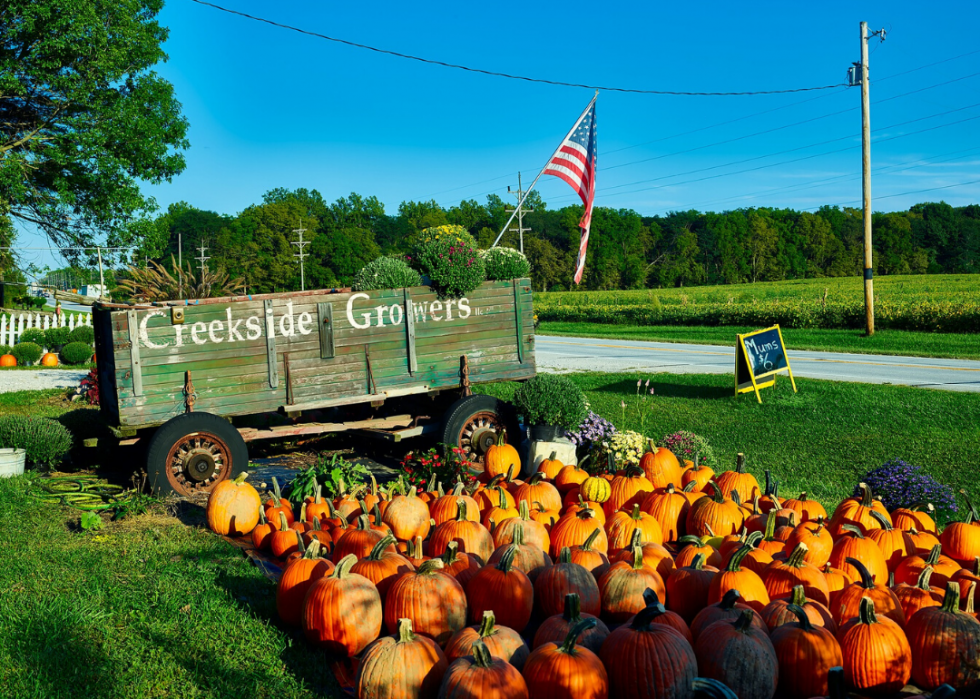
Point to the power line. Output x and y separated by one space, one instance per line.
558 83
928 65
903 194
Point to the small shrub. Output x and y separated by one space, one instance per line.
900 484
76 353
627 448
46 441
505 263
82 333
448 256
56 337
686 445
35 335
594 430
386 273
27 353
551 399
5 349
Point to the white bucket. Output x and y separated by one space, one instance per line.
12 462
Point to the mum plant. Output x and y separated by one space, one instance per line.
386 273
449 257
505 263
898 483
551 399
686 445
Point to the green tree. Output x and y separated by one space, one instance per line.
336 255
83 117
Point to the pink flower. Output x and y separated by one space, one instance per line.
451 249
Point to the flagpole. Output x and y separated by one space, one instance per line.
548 162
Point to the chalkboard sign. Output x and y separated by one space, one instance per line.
760 355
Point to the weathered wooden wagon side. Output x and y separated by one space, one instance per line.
185 367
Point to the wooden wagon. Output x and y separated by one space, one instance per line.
195 380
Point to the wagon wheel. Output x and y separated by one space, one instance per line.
193 453
473 424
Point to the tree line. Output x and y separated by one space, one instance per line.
626 250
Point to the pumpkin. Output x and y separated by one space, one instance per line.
579 504
8 360
554 584
528 558
500 641
894 543
535 533
906 518
777 612
687 588
556 627
961 540
327 621
459 564
945 645
316 507
730 607
770 500
431 493
481 674
943 567
435 603
848 604
807 653
858 511
498 513
501 457
964 577
694 545
262 533
569 477
536 489
284 540
233 507
647 660
495 495
715 515
573 529
837 580
621 525
666 617
316 533
781 577
669 508
806 509
49 359
373 498
567 671
584 555
924 541
301 525
854 544
383 566
745 484
550 466
504 589
698 475
358 541
768 542
547 518
407 516
655 557
472 537
918 596
595 489
660 466
817 539
622 586
734 577
740 655
296 581
446 508
626 491
276 505
405 665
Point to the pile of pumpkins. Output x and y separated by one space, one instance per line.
662 580
48 359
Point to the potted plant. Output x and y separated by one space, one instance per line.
550 404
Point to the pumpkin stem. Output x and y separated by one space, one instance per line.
880 518
698 562
740 463
923 581
573 608
587 544
867 582
853 529
343 567
277 494
635 539
457 489
332 510
502 438
486 625
430 566
313 550
971 515
481 655
744 621
798 596
797 555
524 511
835 683
735 562
867 498
363 522
461 510
379 548
689 488
969 598
240 478
376 511
518 538
643 617
448 556
585 513
415 548
801 616
262 519
976 566
730 599
697 462
405 634
933 557
718 495
670 489
565 555
507 559
867 611
771 526
568 647
637 557
736 498
753 539
301 547
636 512
283 525
769 484
650 597
951 600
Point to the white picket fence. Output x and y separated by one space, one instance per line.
11 328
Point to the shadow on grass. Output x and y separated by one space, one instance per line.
627 389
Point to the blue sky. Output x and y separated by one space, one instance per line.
269 107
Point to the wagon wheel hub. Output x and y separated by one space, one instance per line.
198 461
479 434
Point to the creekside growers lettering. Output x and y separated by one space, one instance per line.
237 329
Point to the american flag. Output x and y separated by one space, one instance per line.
574 162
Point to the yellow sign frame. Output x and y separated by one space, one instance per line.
742 355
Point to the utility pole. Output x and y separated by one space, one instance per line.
301 244
180 250
202 259
869 297
101 275
520 230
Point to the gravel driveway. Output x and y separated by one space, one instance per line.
30 380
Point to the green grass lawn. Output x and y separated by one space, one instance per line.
146 607
895 342
820 440
47 403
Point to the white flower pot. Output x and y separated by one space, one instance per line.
12 462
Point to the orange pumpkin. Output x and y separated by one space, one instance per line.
804 640
661 467
716 514
621 526
407 516
233 507
500 641
501 457
327 621
777 612
734 577
49 359
435 603
623 584
550 466
848 603
877 656
858 511
911 517
566 671
738 480
961 540
555 628
669 508
698 475
573 529
504 589
8 360
945 645
445 508
296 581
808 510
687 588
918 596
401 665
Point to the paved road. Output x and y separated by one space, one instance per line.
593 354
67 305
